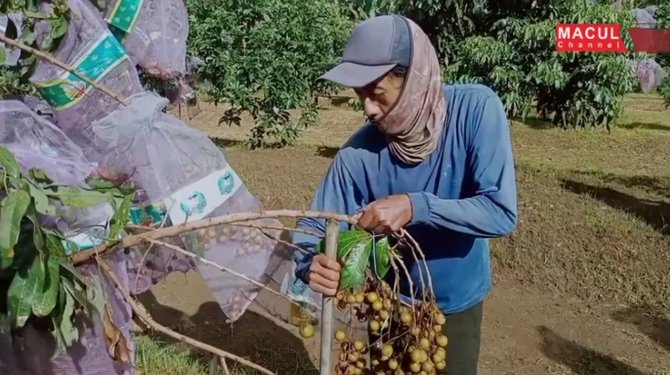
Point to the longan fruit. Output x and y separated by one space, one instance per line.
372 297
442 341
340 335
387 350
392 364
428 366
307 331
375 326
359 345
383 314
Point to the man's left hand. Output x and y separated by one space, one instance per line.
386 215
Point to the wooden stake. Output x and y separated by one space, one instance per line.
332 231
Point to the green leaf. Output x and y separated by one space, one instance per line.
77 197
65 263
21 294
78 295
59 27
9 163
381 255
38 235
348 240
41 200
345 242
356 262
68 331
54 244
39 175
56 318
45 301
97 183
3 56
121 216
12 210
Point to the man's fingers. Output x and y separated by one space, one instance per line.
367 219
327 273
328 263
318 281
328 292
380 229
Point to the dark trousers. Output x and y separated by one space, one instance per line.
463 330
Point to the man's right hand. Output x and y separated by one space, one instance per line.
324 275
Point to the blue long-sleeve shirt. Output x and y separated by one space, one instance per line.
463 194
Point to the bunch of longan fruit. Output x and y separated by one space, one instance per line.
403 340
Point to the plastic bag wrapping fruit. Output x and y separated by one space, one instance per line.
153 32
649 72
91 49
644 18
185 177
37 143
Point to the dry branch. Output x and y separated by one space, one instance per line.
141 313
216 265
45 56
156 234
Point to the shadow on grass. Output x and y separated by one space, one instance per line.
253 336
226 143
654 213
644 125
648 320
581 360
655 184
327 151
537 123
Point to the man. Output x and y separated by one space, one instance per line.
433 159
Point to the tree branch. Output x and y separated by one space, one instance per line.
45 56
141 313
156 234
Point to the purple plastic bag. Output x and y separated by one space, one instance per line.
179 167
37 143
650 74
154 33
91 49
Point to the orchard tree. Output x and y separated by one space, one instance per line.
510 45
264 58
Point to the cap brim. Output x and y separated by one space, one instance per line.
356 76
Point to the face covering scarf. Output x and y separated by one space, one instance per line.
414 124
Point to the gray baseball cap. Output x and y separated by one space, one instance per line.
375 47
